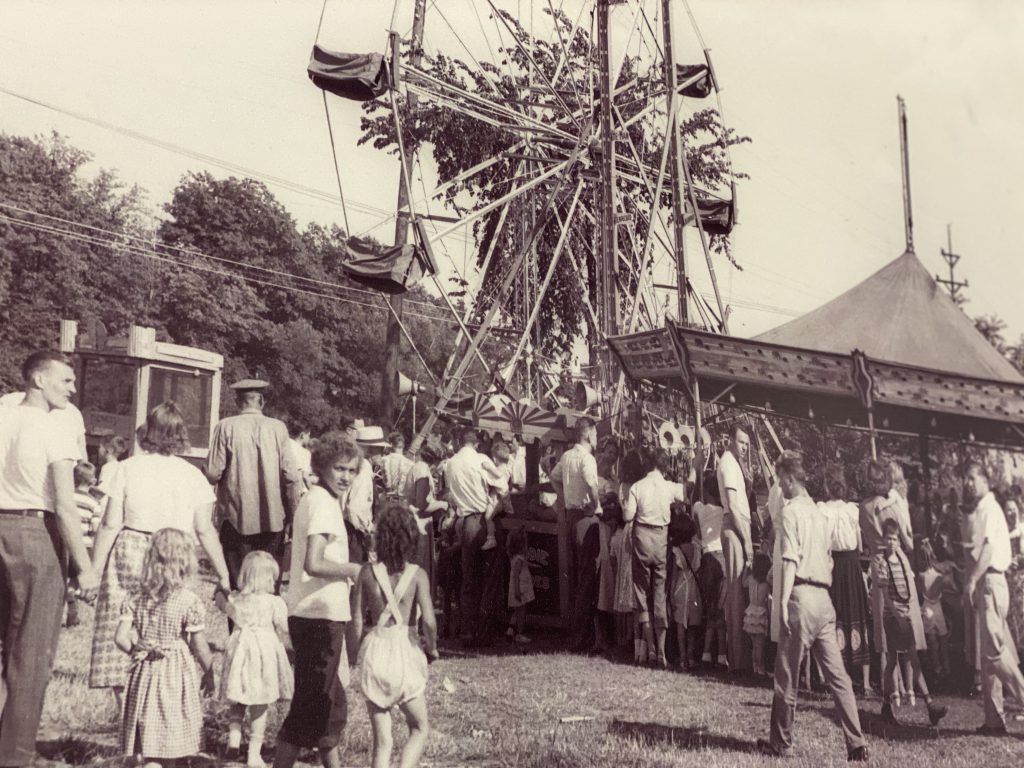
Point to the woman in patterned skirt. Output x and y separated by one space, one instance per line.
153 489
849 595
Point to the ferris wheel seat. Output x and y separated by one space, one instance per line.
355 76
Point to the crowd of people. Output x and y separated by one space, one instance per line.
330 556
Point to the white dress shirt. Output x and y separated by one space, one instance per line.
650 499
469 475
992 525
730 477
576 472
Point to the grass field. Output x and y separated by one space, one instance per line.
505 710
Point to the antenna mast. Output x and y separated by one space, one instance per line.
952 284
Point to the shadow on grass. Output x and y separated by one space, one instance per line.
873 725
73 750
680 737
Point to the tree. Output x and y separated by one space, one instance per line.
458 142
45 275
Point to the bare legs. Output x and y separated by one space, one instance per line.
415 712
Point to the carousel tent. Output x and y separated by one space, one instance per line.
894 347
902 315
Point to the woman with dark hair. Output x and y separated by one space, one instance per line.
153 489
849 595
394 593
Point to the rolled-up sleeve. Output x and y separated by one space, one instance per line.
790 538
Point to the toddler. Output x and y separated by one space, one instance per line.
685 595
392 669
498 497
931 583
755 619
162 627
90 512
255 671
520 583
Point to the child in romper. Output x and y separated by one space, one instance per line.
392 668
255 672
162 627
931 583
520 583
755 618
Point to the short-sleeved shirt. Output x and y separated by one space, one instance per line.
844 516
992 524
314 597
251 456
89 515
30 442
577 473
807 540
730 477
650 499
396 467
709 517
69 419
470 475
160 491
873 513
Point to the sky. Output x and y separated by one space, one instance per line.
814 85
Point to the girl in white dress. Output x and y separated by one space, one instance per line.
392 669
255 672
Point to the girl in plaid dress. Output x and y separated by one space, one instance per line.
162 628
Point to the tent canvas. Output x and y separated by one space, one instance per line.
901 315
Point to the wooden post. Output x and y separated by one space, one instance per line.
679 188
871 434
393 335
609 230
698 446
926 480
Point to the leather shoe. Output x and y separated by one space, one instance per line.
857 755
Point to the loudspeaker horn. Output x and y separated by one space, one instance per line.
585 398
406 386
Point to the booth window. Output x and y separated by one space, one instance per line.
106 386
192 394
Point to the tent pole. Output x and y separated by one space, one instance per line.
871 434
926 481
698 445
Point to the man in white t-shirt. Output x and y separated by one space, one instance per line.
69 418
318 606
737 547
39 522
987 588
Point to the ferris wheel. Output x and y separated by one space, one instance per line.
571 146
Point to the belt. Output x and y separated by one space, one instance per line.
137 530
39 513
810 583
649 525
994 572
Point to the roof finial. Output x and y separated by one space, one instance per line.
908 213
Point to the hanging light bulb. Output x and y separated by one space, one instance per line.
934 423
849 422
767 405
810 412
970 437
732 398
885 423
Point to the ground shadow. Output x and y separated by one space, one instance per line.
873 725
73 750
678 736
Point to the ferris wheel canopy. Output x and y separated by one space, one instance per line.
355 76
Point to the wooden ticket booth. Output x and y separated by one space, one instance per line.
120 380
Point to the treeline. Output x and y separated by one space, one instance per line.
225 268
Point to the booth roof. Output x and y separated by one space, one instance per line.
901 315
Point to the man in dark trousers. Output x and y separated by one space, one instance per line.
258 481
39 529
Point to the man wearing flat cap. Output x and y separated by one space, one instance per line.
258 482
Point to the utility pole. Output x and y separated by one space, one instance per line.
952 284
393 337
608 228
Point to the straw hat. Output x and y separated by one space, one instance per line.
371 437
